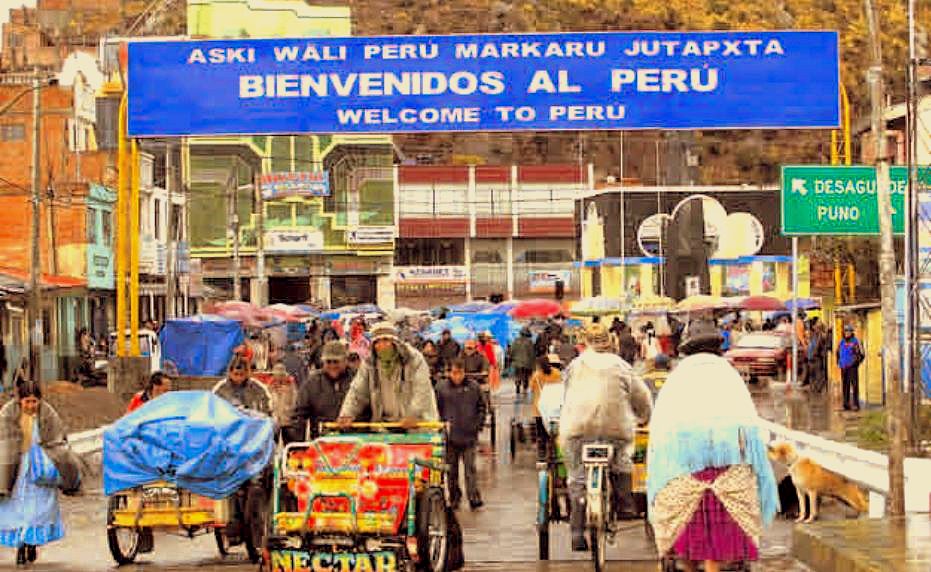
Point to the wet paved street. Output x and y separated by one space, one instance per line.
500 536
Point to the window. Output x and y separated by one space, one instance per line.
177 222
486 257
277 214
106 227
157 219
16 41
12 132
544 256
91 224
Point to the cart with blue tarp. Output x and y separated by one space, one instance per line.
187 463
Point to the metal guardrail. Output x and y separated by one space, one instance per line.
868 468
87 442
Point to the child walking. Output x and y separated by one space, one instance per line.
461 405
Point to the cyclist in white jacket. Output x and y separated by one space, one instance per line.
605 399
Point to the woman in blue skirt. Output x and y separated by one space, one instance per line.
34 462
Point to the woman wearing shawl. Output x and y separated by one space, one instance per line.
34 461
710 486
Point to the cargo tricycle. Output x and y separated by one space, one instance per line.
370 496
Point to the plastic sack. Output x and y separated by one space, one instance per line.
595 402
192 439
42 470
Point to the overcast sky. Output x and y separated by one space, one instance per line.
5 6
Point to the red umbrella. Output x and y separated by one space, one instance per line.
761 304
539 308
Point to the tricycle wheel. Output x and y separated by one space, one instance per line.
432 531
123 542
543 541
513 440
223 545
256 523
493 427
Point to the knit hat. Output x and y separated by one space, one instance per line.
333 351
279 370
701 337
553 359
384 330
597 336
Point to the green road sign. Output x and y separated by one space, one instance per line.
838 200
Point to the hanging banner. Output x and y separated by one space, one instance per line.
370 235
430 274
544 281
485 82
301 183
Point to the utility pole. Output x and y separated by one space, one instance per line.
232 192
35 295
170 228
890 354
262 289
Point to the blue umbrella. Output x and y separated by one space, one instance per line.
803 304
502 308
471 307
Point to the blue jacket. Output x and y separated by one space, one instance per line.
849 352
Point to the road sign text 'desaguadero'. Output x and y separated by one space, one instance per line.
838 200
485 82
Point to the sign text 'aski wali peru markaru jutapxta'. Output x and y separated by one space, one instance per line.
507 82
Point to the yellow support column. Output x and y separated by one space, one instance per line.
122 232
134 254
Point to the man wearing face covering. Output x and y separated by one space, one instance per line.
394 382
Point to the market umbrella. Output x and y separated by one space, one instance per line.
287 313
761 304
699 303
471 307
537 308
802 304
502 308
647 303
597 306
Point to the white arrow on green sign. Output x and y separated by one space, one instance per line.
838 200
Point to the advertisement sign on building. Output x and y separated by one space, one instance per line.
430 274
544 281
300 183
293 241
485 82
371 235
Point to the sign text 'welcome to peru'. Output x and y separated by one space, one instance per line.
612 80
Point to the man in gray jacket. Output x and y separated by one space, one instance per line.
394 382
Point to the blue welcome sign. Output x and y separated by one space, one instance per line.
511 82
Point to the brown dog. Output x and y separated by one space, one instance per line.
812 480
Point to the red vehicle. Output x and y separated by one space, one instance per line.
761 354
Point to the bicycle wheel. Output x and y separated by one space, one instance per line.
598 542
544 491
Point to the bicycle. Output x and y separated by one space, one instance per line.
600 517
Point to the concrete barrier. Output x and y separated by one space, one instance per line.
868 468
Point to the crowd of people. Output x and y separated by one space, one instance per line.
382 372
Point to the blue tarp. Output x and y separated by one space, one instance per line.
193 439
200 345
498 324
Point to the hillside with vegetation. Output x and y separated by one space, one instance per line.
724 157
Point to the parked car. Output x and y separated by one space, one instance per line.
760 354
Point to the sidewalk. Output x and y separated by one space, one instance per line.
893 545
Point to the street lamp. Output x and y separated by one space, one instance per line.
35 300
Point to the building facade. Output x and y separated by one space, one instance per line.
329 242
470 232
